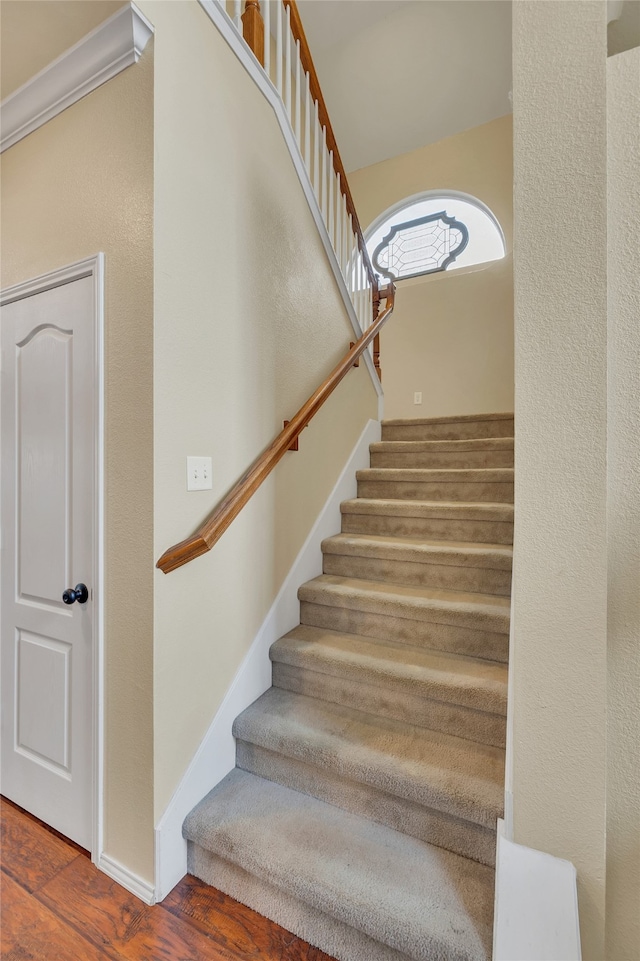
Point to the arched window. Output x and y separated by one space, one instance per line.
433 231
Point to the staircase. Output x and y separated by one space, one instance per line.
361 814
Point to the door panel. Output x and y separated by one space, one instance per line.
44 443
42 700
48 529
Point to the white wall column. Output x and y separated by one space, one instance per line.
560 592
623 508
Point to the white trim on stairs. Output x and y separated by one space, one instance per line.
536 905
106 51
216 755
225 27
508 768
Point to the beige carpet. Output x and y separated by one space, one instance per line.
362 811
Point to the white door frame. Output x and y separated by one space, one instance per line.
90 267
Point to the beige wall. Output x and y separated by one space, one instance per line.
559 595
79 185
248 321
623 512
451 334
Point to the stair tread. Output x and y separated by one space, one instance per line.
489 610
464 779
418 899
468 681
449 419
443 475
460 553
484 509
466 510
433 446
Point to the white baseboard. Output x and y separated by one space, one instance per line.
216 755
136 885
536 905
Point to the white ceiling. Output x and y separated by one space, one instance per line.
399 74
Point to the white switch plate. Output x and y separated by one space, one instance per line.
417 397
199 474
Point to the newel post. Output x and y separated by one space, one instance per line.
253 29
376 339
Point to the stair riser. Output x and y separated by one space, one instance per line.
492 646
382 701
500 493
429 528
478 580
463 430
454 834
444 460
338 940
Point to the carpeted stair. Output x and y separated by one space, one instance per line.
362 811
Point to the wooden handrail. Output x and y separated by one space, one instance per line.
215 525
323 115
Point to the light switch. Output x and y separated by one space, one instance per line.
199 474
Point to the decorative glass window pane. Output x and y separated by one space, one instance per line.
420 246
412 253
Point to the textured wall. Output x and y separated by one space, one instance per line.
623 510
81 184
36 33
248 321
451 335
559 597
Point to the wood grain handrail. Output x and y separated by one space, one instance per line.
229 508
323 115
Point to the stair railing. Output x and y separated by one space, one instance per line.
289 66
216 524
288 63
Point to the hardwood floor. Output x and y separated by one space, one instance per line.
56 906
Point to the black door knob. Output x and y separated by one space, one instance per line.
78 593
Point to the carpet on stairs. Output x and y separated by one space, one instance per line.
361 814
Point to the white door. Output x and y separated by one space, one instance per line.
48 545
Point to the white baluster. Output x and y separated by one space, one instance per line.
365 298
237 14
316 153
307 125
345 239
350 260
323 203
266 7
287 63
298 95
338 243
330 225
279 16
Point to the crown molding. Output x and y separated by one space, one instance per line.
112 47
